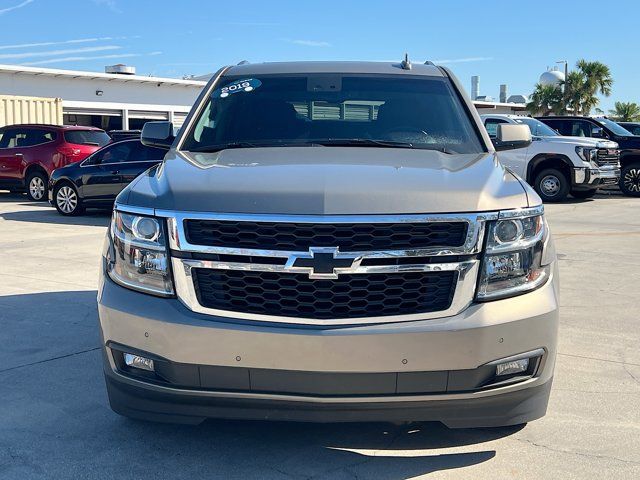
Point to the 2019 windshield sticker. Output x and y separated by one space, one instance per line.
237 86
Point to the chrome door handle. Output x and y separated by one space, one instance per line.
114 172
19 155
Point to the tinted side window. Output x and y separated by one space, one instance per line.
143 153
117 153
491 124
8 139
38 137
580 128
557 125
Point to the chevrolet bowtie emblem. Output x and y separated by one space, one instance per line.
322 262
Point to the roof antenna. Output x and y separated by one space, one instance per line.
406 64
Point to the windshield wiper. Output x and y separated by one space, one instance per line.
225 146
366 142
232 145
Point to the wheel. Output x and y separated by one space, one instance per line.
552 185
66 200
584 193
630 180
37 186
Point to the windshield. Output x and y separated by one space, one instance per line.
537 127
87 137
340 110
614 127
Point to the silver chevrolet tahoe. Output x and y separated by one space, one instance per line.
330 241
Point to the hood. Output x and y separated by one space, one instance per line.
327 180
581 141
629 142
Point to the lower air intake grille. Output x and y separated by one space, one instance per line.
349 296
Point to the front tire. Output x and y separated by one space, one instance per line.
583 194
552 185
37 186
67 200
630 180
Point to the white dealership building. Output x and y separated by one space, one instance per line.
113 101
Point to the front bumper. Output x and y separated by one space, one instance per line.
591 178
416 350
609 175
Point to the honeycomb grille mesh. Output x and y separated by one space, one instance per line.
348 237
349 296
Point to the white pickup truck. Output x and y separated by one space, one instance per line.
555 165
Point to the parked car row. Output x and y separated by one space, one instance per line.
30 153
604 128
555 165
84 167
74 167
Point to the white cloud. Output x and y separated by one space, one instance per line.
61 42
15 7
53 53
308 43
463 60
90 57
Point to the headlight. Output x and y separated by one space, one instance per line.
513 262
139 258
587 154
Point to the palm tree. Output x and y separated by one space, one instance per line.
626 112
597 76
545 100
579 92
575 92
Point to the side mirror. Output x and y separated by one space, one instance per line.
158 135
597 132
510 137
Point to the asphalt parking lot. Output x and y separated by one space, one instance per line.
55 421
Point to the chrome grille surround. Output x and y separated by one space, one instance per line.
608 157
467 269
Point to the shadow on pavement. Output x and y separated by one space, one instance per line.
50 215
359 450
55 413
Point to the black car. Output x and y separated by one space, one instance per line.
601 127
97 180
633 127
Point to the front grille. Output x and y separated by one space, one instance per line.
608 157
348 237
349 296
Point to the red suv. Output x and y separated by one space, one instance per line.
29 153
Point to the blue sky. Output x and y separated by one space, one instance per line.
502 41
